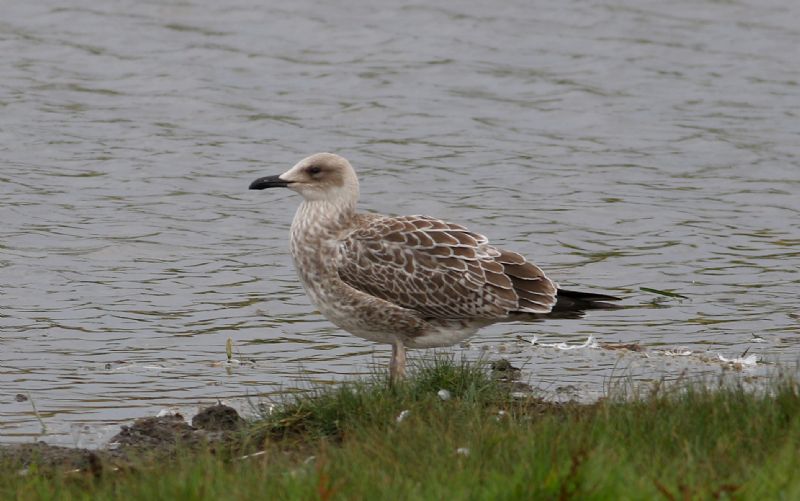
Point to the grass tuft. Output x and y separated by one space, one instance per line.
331 412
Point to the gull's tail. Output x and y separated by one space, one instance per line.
572 304
570 301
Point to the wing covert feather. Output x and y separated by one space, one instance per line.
441 270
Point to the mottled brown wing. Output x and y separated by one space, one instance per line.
441 270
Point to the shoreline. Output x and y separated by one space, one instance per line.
453 429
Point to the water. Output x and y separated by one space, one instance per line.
618 144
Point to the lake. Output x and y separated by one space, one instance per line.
618 144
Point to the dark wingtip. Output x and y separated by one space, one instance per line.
568 301
586 296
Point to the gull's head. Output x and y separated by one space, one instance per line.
322 176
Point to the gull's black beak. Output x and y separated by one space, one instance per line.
269 182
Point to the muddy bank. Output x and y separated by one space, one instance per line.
218 426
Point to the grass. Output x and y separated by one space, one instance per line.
345 442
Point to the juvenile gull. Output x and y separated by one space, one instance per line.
408 281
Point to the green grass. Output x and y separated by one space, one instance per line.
344 442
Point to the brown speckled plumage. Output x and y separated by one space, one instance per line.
440 270
409 281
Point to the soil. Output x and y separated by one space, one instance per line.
215 426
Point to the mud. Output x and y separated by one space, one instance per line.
214 427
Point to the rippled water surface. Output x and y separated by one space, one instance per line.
619 144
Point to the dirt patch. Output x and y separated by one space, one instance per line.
162 436
218 418
48 457
155 433
508 376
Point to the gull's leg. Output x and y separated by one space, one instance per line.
397 366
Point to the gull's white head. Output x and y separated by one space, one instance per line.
322 176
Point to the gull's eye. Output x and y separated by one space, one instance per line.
313 170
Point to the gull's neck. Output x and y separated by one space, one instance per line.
318 220
317 229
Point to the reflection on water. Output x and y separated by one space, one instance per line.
619 146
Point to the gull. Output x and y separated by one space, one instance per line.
407 281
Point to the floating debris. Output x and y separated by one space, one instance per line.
231 362
622 346
663 292
590 342
169 411
741 361
126 367
678 352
